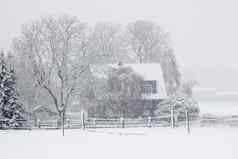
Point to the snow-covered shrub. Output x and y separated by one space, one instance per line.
179 103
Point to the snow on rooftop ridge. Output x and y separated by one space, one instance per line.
149 71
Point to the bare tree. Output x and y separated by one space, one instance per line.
55 52
105 42
149 43
187 87
145 39
171 71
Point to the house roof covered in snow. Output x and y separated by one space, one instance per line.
148 71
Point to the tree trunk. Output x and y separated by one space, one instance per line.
63 122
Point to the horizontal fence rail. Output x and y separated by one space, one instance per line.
159 121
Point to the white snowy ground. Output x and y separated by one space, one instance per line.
136 143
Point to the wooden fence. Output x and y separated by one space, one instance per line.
101 123
161 121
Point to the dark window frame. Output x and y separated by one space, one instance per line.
153 84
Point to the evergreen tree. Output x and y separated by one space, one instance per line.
9 108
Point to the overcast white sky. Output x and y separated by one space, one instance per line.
204 32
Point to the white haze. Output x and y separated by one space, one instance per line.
204 32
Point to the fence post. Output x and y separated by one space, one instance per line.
172 116
29 124
83 120
122 122
94 123
176 120
68 123
149 122
38 123
187 119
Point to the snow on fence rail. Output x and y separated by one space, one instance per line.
96 123
159 121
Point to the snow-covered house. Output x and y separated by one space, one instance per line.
153 86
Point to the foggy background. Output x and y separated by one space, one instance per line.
203 32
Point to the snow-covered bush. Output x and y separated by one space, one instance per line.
179 103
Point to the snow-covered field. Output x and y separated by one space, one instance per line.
140 143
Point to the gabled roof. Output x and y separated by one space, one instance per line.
148 71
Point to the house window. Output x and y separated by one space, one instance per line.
149 87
